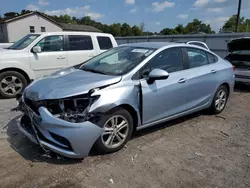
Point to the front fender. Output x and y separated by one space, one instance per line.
115 96
18 65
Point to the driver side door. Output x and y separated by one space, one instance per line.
52 57
164 98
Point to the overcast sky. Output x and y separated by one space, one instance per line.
155 14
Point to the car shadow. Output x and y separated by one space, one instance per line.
30 151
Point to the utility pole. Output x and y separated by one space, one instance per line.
238 16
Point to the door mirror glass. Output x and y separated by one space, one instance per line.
37 49
158 74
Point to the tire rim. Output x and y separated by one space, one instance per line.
221 99
115 131
11 85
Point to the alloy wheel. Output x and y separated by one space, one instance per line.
116 131
220 100
11 85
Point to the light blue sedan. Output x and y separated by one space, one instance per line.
103 101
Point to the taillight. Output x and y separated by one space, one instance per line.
233 68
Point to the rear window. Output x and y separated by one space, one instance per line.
80 42
104 43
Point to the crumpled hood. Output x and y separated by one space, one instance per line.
239 44
67 82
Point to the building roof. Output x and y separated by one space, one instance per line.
64 26
77 27
29 14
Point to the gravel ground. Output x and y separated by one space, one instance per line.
200 150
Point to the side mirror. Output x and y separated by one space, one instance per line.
37 49
158 74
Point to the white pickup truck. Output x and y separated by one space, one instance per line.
39 54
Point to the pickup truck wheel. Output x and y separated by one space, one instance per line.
11 84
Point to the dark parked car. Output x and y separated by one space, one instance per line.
239 56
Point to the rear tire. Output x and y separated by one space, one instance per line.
11 84
220 100
118 127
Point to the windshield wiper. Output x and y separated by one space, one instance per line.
92 70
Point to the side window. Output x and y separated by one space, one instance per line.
51 44
169 60
80 42
104 43
32 29
212 58
196 57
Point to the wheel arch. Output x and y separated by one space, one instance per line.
133 113
227 86
19 71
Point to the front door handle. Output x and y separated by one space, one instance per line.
61 57
183 80
213 71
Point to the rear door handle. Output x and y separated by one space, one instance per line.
183 80
213 71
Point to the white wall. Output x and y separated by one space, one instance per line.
21 27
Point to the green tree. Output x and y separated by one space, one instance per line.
10 15
126 30
230 24
179 29
136 31
25 12
115 29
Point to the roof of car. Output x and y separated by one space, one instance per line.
155 45
73 33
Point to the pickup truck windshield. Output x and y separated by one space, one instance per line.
117 61
24 42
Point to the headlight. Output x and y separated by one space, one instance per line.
73 109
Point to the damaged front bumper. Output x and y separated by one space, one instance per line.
73 140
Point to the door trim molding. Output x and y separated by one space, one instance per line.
172 117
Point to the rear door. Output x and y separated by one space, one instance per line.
202 77
80 48
52 57
164 98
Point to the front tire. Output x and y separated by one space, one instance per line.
118 128
220 100
11 84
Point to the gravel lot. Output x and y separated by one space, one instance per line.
200 150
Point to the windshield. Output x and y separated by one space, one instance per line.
117 61
24 42
241 52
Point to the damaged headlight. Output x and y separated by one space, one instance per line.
72 109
